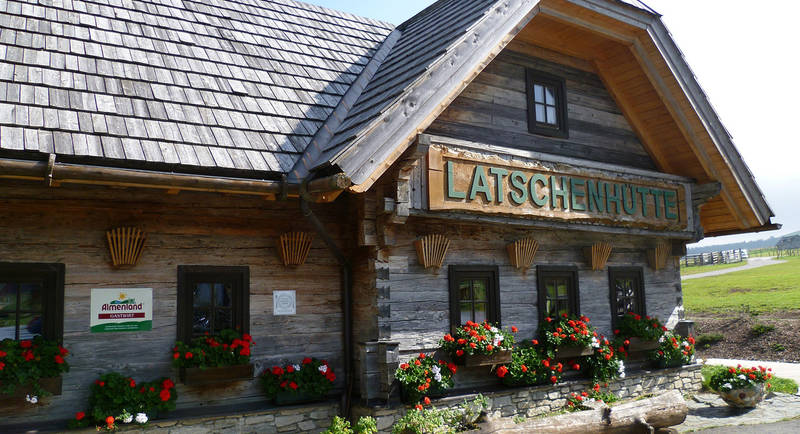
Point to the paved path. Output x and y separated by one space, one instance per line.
780 369
786 427
707 410
751 263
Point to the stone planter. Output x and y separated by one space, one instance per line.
290 397
572 351
748 397
497 358
220 374
51 385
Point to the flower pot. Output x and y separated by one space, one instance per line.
497 358
572 351
218 374
51 385
639 344
663 364
747 397
292 397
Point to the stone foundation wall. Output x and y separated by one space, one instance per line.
532 401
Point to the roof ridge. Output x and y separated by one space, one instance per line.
335 12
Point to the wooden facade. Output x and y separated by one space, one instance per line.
366 174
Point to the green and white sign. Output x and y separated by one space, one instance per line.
121 310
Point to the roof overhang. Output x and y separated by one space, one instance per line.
633 53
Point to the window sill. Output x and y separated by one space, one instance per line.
218 374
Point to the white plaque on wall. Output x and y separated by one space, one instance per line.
284 303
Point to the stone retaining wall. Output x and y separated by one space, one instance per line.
532 401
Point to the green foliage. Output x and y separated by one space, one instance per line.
779 384
228 348
114 394
423 376
565 330
311 378
339 425
763 289
366 425
604 364
633 325
778 347
706 340
783 385
761 329
673 350
473 338
26 361
529 365
739 377
441 421
519 419
579 401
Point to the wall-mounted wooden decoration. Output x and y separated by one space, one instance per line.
431 250
295 247
657 257
125 245
597 255
522 252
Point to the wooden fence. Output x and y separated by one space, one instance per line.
787 252
710 258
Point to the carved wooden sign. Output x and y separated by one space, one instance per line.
489 184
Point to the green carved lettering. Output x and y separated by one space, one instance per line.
670 202
596 196
576 188
536 179
658 196
562 192
630 210
519 194
499 174
480 184
451 188
643 194
614 198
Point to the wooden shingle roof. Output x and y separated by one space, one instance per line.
240 85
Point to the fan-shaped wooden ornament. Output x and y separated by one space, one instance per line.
598 255
125 245
431 250
522 252
657 257
295 247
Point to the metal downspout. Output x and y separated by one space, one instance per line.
347 291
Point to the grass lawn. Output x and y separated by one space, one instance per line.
781 385
764 289
686 271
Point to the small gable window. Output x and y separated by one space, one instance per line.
547 105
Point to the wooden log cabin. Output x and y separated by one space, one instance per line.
498 146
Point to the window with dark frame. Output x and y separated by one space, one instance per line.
211 299
474 294
547 104
626 286
558 290
31 301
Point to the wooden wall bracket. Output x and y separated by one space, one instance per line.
295 247
657 257
431 250
597 255
125 245
522 252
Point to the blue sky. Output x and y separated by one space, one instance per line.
742 57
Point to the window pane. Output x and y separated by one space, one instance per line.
222 294
550 286
200 321
202 295
30 325
223 319
480 312
551 115
563 289
538 93
8 297
464 290
30 297
563 307
466 312
8 325
479 288
540 116
550 98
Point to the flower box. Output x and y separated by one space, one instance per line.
747 397
572 351
409 398
51 385
663 364
291 397
639 344
497 358
218 374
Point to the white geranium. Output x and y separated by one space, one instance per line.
621 369
661 339
742 377
727 386
296 367
595 342
141 418
323 368
497 341
32 399
494 330
437 373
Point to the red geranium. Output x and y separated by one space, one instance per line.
164 394
80 415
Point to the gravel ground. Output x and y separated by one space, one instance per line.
740 342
